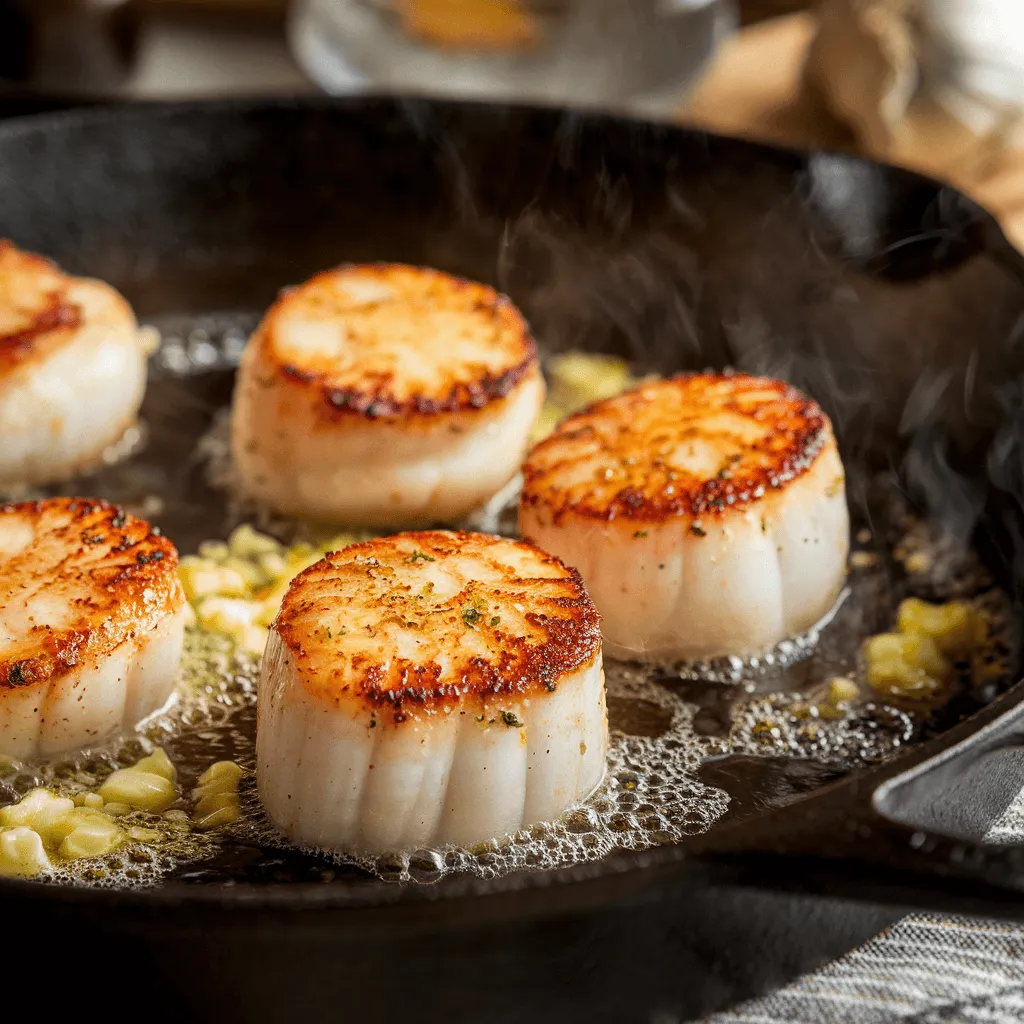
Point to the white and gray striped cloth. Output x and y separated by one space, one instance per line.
927 969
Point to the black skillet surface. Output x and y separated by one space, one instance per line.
894 301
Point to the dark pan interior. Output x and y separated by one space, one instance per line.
893 300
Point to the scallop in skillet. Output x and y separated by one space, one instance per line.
426 689
706 513
91 623
385 395
72 369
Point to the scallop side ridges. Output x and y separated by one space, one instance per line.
706 513
93 616
72 369
443 687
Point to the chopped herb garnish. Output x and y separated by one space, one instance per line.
698 531
417 556
495 620
330 635
470 616
509 719
640 533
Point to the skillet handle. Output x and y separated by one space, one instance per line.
922 821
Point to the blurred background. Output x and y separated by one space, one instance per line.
605 50
933 85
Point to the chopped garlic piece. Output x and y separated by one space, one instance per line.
140 790
145 835
41 811
221 770
202 578
950 625
22 854
906 665
842 690
216 796
93 837
159 763
226 614
245 542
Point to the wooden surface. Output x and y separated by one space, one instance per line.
754 89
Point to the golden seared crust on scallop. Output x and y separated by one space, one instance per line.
420 621
36 312
392 341
78 577
697 445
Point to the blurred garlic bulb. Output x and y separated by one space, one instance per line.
863 62
922 69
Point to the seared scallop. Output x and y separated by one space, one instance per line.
427 689
385 395
707 514
72 369
91 623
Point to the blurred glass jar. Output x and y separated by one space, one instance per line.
637 55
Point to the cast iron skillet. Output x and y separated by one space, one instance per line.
894 300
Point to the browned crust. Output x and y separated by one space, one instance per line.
47 325
376 399
642 487
562 618
119 574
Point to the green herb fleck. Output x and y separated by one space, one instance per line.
417 556
639 533
495 620
697 530
330 635
470 616
509 719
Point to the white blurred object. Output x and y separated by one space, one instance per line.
637 55
973 60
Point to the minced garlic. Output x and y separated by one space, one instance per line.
45 829
916 662
236 588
